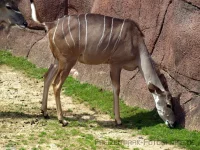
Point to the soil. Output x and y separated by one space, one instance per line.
17 90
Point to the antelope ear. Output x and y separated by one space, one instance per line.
154 89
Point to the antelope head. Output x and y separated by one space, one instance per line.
163 104
10 14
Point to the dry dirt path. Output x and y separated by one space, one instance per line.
22 94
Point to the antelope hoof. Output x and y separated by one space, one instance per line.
46 116
63 122
118 123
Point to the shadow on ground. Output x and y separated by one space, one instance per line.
130 120
136 121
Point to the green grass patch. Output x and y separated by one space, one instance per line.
178 136
22 64
148 122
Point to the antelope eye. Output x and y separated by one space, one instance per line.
8 6
169 106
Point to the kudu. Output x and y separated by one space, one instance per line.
97 39
10 14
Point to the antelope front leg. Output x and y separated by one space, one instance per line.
62 74
115 72
48 78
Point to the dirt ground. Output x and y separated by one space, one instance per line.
19 93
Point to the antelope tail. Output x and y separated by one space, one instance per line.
34 13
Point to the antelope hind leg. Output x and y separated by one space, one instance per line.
48 78
61 75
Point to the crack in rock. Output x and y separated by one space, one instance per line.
131 80
188 101
190 3
161 27
140 9
194 92
134 75
34 45
188 77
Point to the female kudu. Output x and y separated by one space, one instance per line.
97 39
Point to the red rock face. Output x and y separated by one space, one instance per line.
171 29
177 51
83 6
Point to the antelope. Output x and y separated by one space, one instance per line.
10 14
96 39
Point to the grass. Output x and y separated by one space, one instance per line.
148 122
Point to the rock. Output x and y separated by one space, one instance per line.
21 45
83 6
53 146
85 117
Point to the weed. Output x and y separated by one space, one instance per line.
42 134
137 149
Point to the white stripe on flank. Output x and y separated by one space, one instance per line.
104 27
86 31
79 31
118 39
54 34
33 13
64 32
70 31
110 34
